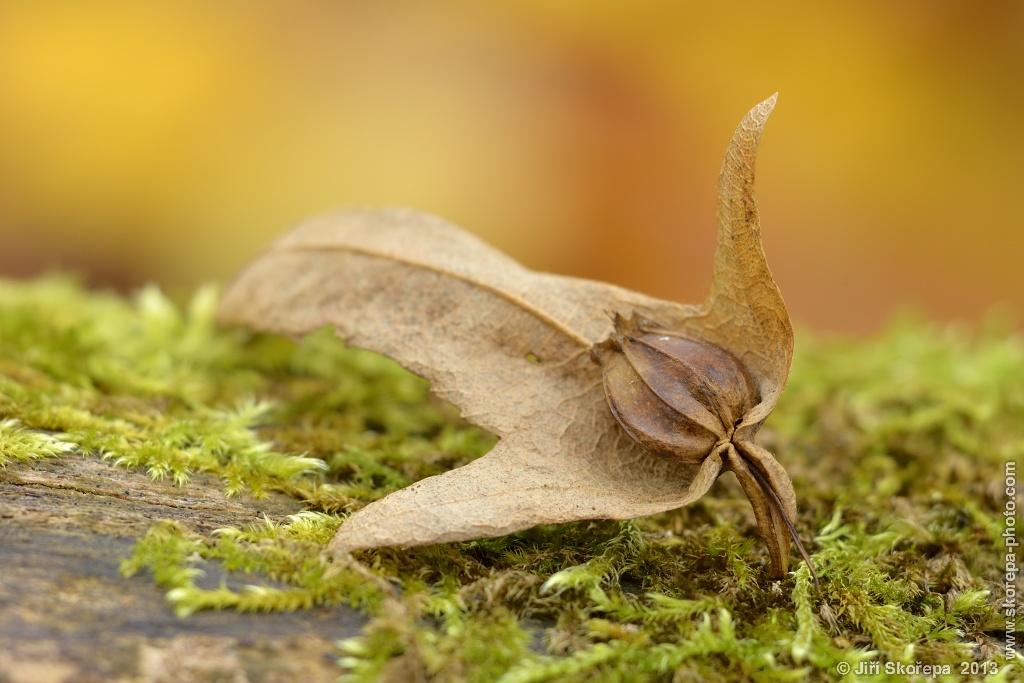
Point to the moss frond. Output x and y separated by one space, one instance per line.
17 443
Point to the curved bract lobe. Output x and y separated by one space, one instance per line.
695 389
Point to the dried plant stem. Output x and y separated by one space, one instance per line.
773 497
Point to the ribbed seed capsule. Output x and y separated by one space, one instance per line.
683 399
675 396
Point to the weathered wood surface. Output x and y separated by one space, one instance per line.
67 615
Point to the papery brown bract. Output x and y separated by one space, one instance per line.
511 348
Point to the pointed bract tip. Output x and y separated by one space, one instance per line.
762 110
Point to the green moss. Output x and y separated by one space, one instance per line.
896 445
17 443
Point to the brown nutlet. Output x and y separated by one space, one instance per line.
677 397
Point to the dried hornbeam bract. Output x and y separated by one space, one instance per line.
674 398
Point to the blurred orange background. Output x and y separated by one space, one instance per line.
170 141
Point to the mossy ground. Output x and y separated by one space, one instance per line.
896 445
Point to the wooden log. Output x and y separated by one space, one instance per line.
67 615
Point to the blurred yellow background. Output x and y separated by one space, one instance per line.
170 141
